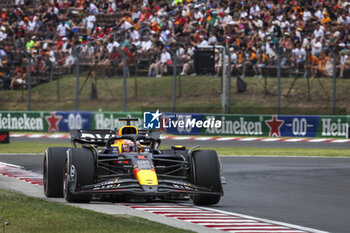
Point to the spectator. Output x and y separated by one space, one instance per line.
262 61
146 45
111 45
180 52
3 57
90 21
212 39
299 56
218 62
202 41
134 35
344 63
251 62
160 64
3 34
316 46
234 61
325 65
69 62
62 29
18 79
187 60
228 23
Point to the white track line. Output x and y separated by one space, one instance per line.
226 139
267 221
271 139
248 139
204 138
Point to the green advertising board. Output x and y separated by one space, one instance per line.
238 125
24 121
333 126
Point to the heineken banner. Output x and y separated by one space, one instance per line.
24 121
333 126
279 126
182 123
62 121
265 125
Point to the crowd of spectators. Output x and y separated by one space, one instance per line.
252 31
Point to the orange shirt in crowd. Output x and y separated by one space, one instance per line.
314 60
240 58
253 56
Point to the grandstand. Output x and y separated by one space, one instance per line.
306 33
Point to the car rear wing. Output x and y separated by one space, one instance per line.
97 137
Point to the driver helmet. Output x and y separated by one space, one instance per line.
129 146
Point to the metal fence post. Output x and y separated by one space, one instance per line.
124 79
29 80
223 98
174 82
278 80
334 97
229 82
77 77
29 83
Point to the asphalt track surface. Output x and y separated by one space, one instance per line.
310 192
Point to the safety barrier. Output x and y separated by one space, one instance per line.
182 123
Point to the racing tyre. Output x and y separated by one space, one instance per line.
53 167
206 173
79 170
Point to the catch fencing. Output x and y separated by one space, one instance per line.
122 73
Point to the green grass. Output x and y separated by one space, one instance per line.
40 147
195 94
32 215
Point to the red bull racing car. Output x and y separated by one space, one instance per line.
128 164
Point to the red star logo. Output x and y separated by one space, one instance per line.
53 122
274 126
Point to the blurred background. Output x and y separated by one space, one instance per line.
251 57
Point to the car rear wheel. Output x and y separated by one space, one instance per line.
206 173
53 167
79 170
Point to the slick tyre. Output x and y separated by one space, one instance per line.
79 170
206 173
53 166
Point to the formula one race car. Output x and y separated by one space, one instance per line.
127 163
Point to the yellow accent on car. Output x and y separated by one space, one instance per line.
128 129
147 177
